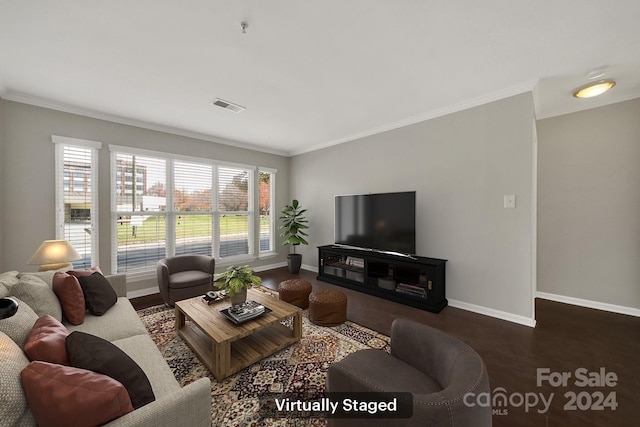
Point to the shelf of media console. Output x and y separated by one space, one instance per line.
416 281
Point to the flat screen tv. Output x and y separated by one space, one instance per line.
384 221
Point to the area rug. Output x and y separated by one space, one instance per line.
299 368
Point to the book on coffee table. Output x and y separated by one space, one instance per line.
243 312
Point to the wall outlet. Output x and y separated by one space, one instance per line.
509 201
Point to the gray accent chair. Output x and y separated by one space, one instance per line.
184 276
437 368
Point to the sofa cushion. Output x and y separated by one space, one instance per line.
38 295
45 276
144 352
187 279
68 290
9 278
119 322
14 409
18 326
99 355
99 296
46 342
65 396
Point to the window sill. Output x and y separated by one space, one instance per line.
268 255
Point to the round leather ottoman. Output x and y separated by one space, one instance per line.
295 291
327 307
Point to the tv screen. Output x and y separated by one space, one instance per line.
385 221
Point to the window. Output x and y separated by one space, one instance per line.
233 212
193 206
76 183
173 205
139 218
266 184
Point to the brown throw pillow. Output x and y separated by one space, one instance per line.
46 342
99 355
65 396
99 296
68 290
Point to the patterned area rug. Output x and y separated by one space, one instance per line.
299 368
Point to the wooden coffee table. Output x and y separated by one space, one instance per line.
226 348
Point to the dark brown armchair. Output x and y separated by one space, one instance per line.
444 375
184 276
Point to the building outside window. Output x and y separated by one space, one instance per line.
76 183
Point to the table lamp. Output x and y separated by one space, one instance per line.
54 255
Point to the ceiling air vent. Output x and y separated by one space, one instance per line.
227 105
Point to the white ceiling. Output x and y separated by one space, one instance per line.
310 73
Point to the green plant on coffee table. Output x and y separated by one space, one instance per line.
237 278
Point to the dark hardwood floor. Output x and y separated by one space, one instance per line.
566 338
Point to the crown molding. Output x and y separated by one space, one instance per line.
454 108
86 112
547 113
439 112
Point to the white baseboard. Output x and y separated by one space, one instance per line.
503 315
620 309
309 268
270 266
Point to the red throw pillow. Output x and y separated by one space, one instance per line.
66 396
87 272
47 341
68 290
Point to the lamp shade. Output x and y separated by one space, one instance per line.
54 254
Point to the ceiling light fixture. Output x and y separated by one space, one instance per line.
594 89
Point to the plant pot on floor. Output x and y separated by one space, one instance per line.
294 261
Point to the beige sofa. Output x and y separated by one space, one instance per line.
173 405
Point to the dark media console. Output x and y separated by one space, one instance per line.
407 279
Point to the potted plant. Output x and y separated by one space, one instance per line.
293 224
235 281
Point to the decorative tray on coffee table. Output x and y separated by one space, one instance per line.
244 312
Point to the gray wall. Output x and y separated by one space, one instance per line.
3 181
28 175
461 166
589 205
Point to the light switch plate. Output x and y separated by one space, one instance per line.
509 201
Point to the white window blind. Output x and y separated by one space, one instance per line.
140 211
76 183
234 206
266 184
193 206
165 205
